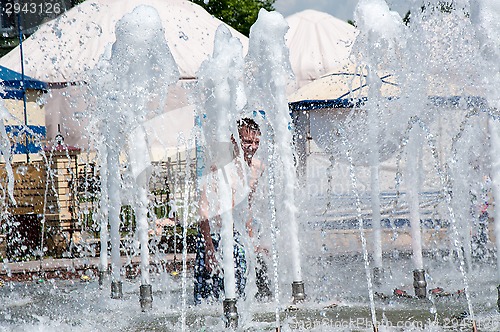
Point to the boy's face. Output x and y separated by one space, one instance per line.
250 140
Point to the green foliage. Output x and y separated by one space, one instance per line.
7 44
170 230
444 6
127 217
239 14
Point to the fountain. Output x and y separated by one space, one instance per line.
124 86
222 100
382 203
271 70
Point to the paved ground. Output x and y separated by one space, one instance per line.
67 268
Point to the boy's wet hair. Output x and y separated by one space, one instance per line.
249 123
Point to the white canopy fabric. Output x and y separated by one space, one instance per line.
318 43
346 81
67 48
62 50
163 146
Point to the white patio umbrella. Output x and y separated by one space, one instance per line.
318 43
64 50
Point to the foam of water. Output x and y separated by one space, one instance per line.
138 72
223 98
270 67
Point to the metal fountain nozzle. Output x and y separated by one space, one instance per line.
419 283
230 313
102 275
498 298
116 289
378 276
146 297
298 292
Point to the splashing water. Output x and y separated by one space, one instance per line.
362 235
484 15
125 86
222 98
378 26
270 73
127 93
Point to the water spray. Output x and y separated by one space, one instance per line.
493 126
222 95
269 56
144 75
354 185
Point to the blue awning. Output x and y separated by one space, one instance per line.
452 101
13 84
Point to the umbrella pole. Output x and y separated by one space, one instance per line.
23 88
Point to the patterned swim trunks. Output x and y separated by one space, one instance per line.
208 286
